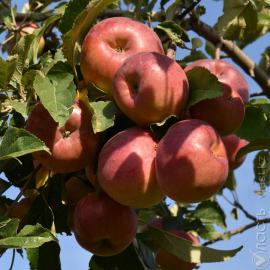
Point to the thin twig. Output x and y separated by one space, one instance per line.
217 51
257 94
189 9
12 262
238 230
245 212
5 4
227 199
31 178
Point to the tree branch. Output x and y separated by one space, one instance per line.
189 9
5 4
238 230
257 94
233 51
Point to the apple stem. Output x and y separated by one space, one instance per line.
171 52
218 48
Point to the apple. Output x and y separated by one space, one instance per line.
149 86
76 190
73 145
225 113
103 226
28 29
233 144
126 168
167 260
226 73
191 162
21 209
109 43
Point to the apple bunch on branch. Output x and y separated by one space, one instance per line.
101 125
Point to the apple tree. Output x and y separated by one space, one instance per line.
108 135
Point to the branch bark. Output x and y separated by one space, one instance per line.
239 230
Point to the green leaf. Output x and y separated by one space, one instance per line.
267 1
170 12
81 25
209 232
145 253
28 237
210 48
196 43
22 49
19 142
104 115
173 30
28 78
38 257
47 62
20 107
234 213
202 84
226 236
54 95
210 212
254 117
40 32
261 103
239 18
94 92
7 69
18 173
189 251
161 128
255 145
264 61
8 228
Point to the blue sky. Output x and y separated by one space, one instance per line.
74 257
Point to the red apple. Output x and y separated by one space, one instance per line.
226 73
109 43
149 86
191 162
126 168
76 189
28 29
73 146
233 145
167 260
225 113
102 226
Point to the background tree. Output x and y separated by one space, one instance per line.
247 25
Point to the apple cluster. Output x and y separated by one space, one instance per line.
136 168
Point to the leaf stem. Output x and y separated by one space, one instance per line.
12 262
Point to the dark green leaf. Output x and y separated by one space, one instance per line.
202 84
210 212
254 117
234 213
208 232
18 142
